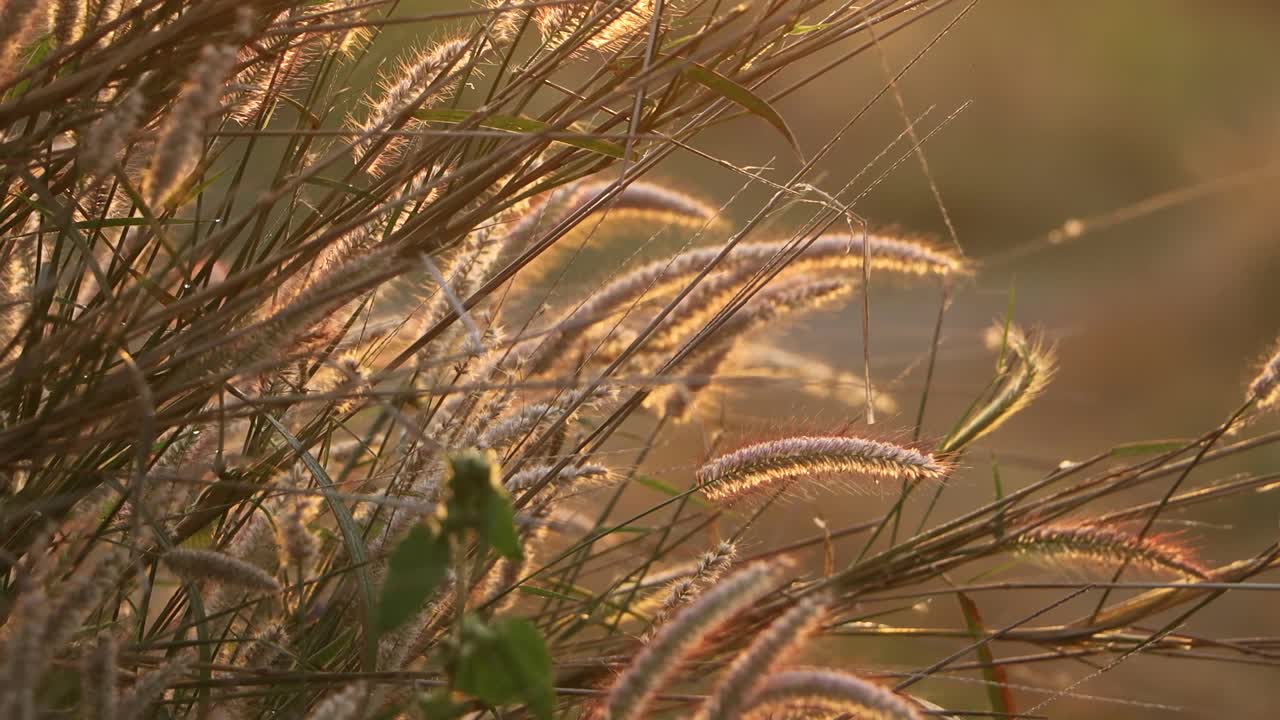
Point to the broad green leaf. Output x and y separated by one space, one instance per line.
498 526
735 93
506 662
524 126
414 572
479 502
475 474
997 680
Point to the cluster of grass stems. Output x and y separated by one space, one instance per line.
269 298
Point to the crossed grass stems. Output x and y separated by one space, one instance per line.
256 321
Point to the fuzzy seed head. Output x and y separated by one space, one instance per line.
770 649
636 687
79 596
67 19
266 647
18 20
828 691
1265 388
778 463
150 687
836 253
213 565
342 705
181 140
25 653
1027 369
710 566
298 545
617 24
419 82
103 141
568 479
98 679
1092 547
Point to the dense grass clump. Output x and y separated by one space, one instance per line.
295 421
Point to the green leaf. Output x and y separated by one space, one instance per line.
997 680
525 126
505 662
414 572
498 526
735 93
479 502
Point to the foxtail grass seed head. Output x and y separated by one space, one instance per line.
68 18
105 138
79 596
106 12
568 479
15 298
826 254
273 73
524 421
639 200
150 687
213 565
708 358
1086 548
342 705
1265 388
181 140
775 464
638 204
25 654
832 693
18 30
645 201
419 82
267 647
1028 366
298 545
710 566
606 26
769 649
659 661
98 677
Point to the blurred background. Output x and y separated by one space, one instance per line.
1155 124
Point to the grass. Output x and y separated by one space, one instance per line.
295 421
